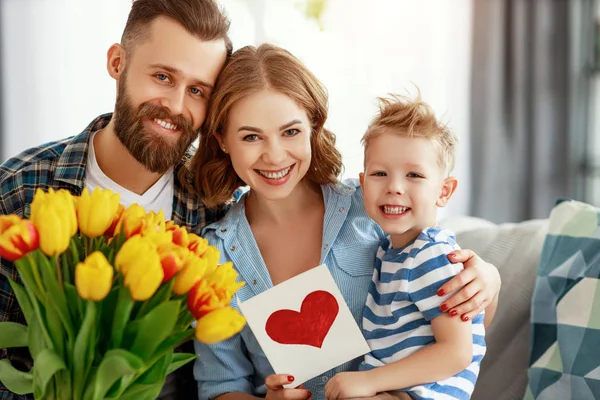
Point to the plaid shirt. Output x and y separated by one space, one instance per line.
62 165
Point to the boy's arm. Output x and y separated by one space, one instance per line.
451 353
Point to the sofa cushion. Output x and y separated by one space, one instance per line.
565 353
515 249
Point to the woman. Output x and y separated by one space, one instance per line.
265 129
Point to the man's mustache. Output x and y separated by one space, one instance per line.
152 111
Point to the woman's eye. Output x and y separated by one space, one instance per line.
250 138
195 91
291 132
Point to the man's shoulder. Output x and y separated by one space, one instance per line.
31 158
27 171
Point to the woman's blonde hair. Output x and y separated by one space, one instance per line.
250 70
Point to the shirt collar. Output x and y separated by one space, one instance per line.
71 165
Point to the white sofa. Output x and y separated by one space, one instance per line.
515 249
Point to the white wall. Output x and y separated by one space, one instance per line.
55 81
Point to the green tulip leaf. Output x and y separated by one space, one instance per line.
55 294
16 381
24 300
121 315
155 328
12 335
157 372
179 360
37 339
142 392
116 364
46 365
83 353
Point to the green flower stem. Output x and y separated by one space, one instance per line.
59 274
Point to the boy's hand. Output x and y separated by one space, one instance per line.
349 385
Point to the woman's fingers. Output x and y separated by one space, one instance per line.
460 280
275 388
276 381
464 295
470 308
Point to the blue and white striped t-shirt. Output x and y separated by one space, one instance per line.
402 301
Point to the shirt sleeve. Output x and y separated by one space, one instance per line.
222 368
430 270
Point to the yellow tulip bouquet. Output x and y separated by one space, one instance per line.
108 293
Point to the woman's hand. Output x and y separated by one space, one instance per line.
276 391
480 283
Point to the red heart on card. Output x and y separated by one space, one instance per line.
309 326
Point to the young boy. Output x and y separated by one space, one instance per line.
415 347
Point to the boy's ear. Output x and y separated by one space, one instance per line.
361 177
450 184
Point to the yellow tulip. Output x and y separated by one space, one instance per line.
172 258
110 232
193 271
214 290
17 237
136 249
204 298
96 212
132 221
93 277
154 222
139 262
225 277
180 234
198 245
219 325
144 278
53 214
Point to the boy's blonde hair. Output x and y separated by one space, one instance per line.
413 118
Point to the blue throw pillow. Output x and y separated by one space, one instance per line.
565 352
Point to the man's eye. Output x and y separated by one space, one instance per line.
250 138
162 77
291 132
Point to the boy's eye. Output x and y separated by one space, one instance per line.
379 173
413 175
250 138
291 132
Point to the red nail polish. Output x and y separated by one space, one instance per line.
453 313
444 308
465 318
290 378
441 292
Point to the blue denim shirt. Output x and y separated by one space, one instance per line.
350 241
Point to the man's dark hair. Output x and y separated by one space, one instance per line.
201 18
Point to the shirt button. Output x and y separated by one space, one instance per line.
254 281
324 379
342 209
223 229
232 248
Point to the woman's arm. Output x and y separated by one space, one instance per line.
480 283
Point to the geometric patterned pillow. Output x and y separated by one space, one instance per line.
565 314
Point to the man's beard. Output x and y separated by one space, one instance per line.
149 148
